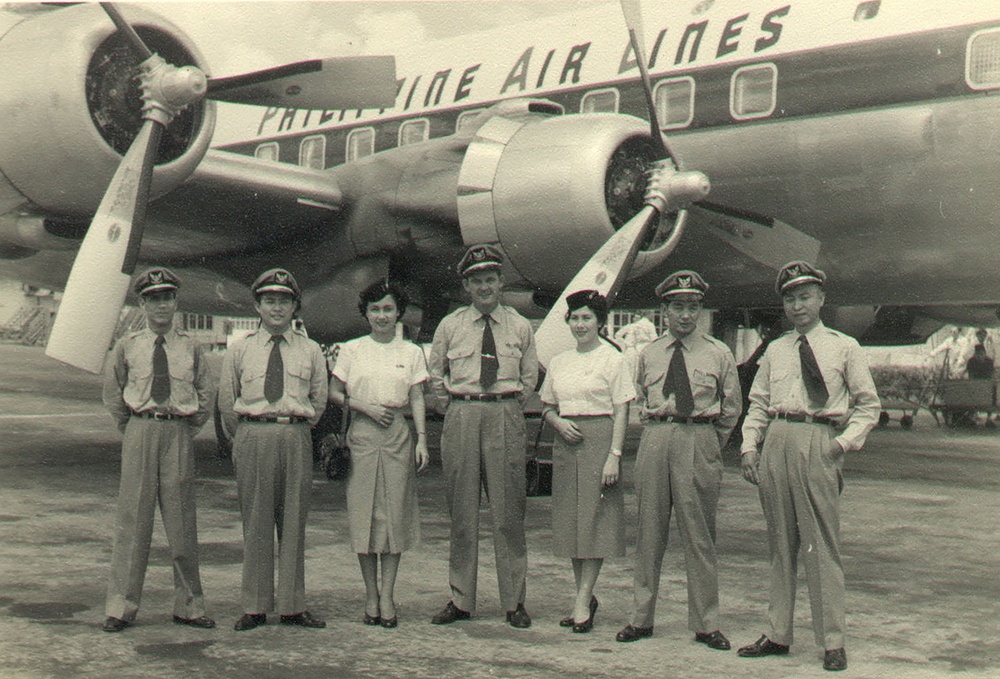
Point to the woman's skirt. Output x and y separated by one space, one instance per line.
382 488
586 518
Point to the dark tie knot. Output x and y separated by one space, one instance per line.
160 339
277 338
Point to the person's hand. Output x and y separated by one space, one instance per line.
382 416
836 450
420 454
612 470
441 405
568 430
749 462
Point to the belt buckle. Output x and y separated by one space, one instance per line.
283 419
161 416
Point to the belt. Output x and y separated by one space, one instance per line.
486 397
701 419
802 417
274 419
153 415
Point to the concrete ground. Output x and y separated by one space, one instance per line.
921 548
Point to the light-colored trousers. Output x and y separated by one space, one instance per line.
678 467
483 446
800 488
273 465
157 468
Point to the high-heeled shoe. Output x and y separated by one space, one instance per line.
588 624
371 619
389 623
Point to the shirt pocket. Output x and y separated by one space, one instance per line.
463 363
509 356
299 374
704 382
182 380
252 383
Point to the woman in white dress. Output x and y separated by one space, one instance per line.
377 376
586 395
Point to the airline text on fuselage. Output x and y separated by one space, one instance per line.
537 70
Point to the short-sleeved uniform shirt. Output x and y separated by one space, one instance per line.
587 383
380 373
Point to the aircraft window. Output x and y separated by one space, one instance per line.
867 10
267 151
414 131
467 118
360 143
982 60
312 152
752 92
674 102
600 101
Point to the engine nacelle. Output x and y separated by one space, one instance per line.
70 106
552 190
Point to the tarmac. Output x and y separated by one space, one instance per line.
921 545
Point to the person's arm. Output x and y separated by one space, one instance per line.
437 366
229 391
318 384
612 465
755 424
114 386
419 411
864 401
202 389
730 398
529 363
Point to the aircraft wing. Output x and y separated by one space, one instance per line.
234 203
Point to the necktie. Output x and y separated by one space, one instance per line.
488 363
274 379
811 375
677 383
161 372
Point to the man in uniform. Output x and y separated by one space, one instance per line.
690 399
482 366
272 389
157 392
813 399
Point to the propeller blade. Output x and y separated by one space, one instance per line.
99 280
126 28
633 20
768 241
338 83
608 267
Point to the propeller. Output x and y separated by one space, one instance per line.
99 279
669 191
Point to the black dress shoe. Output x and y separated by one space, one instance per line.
762 647
114 624
716 640
588 624
371 619
568 621
201 621
449 614
835 660
390 623
519 618
249 621
633 633
303 619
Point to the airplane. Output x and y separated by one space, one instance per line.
857 134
